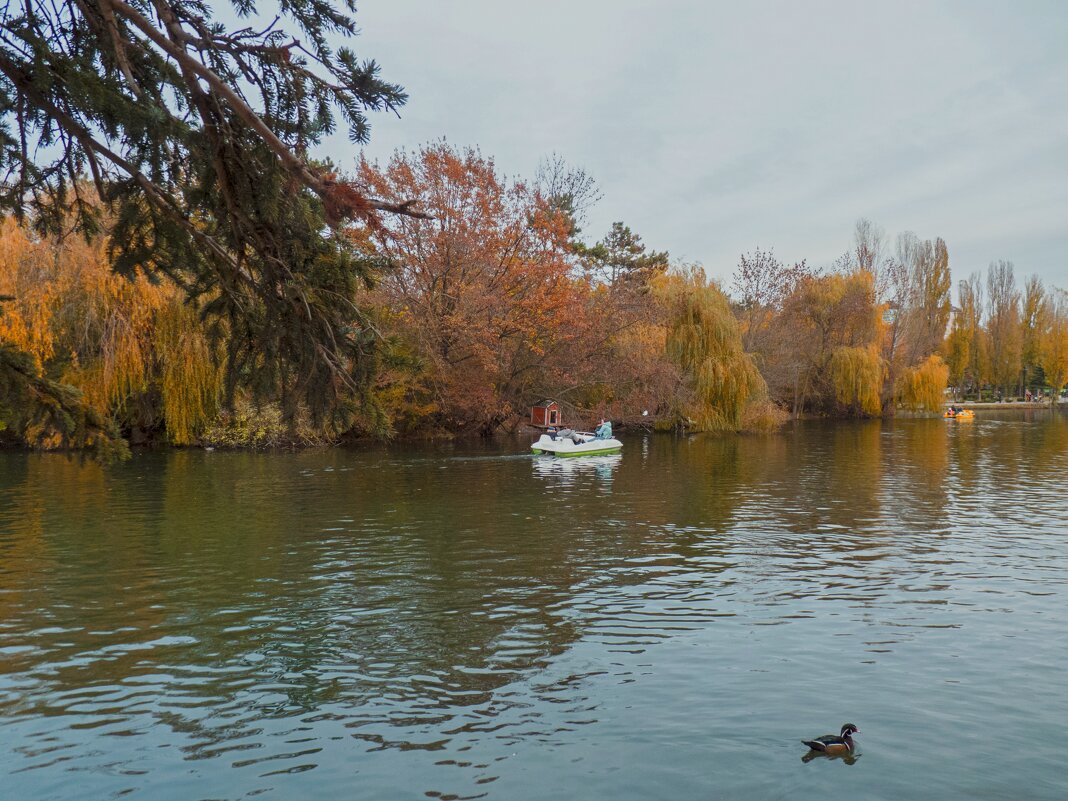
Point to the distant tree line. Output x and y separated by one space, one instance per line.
493 300
175 266
488 303
1005 341
878 331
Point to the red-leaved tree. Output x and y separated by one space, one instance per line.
482 292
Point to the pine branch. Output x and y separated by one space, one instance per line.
175 45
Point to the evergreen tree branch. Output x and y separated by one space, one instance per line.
196 140
156 193
174 45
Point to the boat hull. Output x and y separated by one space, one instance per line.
565 447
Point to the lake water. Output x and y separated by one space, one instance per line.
461 621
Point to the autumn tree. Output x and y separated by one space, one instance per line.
856 375
923 382
965 346
979 364
718 379
929 307
922 387
130 352
625 373
196 135
1036 303
760 285
914 288
1003 325
35 408
1053 344
894 294
482 290
831 329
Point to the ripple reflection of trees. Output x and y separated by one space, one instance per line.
401 590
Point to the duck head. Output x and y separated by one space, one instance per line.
848 730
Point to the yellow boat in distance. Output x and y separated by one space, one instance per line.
963 414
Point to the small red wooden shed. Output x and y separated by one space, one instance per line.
545 414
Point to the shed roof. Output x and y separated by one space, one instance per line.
546 403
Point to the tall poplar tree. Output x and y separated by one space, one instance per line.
965 347
1003 324
1036 305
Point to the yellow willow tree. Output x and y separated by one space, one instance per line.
719 379
1053 345
41 411
857 377
189 374
134 351
24 320
828 337
923 386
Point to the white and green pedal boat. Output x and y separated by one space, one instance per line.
576 443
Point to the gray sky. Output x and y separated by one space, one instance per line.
713 128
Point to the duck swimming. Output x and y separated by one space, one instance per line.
835 745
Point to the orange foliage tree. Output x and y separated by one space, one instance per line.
1053 347
482 292
133 349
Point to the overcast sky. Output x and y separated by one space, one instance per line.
713 128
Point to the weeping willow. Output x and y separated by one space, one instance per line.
115 368
191 379
704 341
857 377
152 364
923 386
128 349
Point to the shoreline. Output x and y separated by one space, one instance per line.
978 406
522 430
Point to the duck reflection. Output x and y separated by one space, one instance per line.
849 759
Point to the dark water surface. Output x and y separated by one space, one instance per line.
456 621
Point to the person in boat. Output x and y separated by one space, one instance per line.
571 434
604 430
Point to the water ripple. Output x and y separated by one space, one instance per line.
457 624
